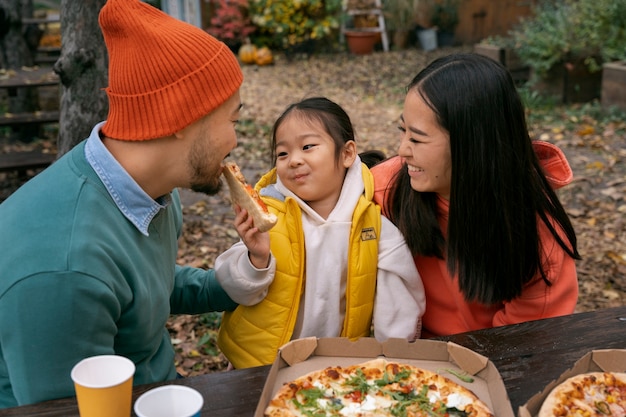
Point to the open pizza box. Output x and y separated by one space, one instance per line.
302 356
611 360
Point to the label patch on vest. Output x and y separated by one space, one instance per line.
368 233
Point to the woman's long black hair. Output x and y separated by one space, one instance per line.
498 192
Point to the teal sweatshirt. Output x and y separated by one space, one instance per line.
78 279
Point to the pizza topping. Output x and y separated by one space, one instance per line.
463 376
387 390
603 407
590 394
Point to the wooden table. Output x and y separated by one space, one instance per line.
528 356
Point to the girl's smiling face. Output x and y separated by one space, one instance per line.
425 147
306 162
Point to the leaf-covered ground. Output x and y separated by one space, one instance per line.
371 89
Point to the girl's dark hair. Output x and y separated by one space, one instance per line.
498 190
336 123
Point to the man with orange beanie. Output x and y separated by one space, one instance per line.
89 246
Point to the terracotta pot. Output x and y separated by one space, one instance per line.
361 42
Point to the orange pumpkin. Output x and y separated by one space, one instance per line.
264 56
247 53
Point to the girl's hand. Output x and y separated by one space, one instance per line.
258 243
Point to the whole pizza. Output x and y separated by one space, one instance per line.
588 394
375 388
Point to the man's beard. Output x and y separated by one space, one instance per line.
202 181
206 188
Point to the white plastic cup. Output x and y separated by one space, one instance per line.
104 386
169 401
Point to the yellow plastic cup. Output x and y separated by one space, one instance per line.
104 386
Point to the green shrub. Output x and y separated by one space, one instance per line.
571 31
289 23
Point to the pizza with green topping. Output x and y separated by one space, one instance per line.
377 388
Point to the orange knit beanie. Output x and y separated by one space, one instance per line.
164 74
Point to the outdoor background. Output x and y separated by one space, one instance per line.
371 88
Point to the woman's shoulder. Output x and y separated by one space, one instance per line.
384 173
386 168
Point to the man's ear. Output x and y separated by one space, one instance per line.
348 154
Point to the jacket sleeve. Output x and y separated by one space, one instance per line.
240 279
538 300
400 300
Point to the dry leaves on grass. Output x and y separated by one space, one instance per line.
371 89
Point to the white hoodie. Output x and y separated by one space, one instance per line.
399 302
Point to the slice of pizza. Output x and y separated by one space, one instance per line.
375 388
246 197
587 394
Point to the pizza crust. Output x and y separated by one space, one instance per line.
243 195
566 392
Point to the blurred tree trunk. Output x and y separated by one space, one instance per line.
19 45
83 69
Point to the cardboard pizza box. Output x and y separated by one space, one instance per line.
611 360
301 356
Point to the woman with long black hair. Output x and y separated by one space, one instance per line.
474 198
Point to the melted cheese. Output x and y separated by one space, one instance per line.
370 403
458 401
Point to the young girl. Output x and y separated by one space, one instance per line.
473 195
339 263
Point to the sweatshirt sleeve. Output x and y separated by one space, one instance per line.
41 340
400 300
197 291
538 300
244 283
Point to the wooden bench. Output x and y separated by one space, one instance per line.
36 117
11 80
21 161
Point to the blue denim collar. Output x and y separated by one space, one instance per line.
136 205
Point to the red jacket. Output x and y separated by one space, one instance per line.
447 312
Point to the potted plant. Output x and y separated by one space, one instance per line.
400 18
230 22
566 42
445 17
361 27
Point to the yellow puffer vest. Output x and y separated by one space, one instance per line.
251 335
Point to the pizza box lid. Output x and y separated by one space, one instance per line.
301 356
611 360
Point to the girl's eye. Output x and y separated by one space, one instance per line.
402 129
306 147
281 154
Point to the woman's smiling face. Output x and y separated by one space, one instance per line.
425 147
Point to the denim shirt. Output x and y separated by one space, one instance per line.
136 205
